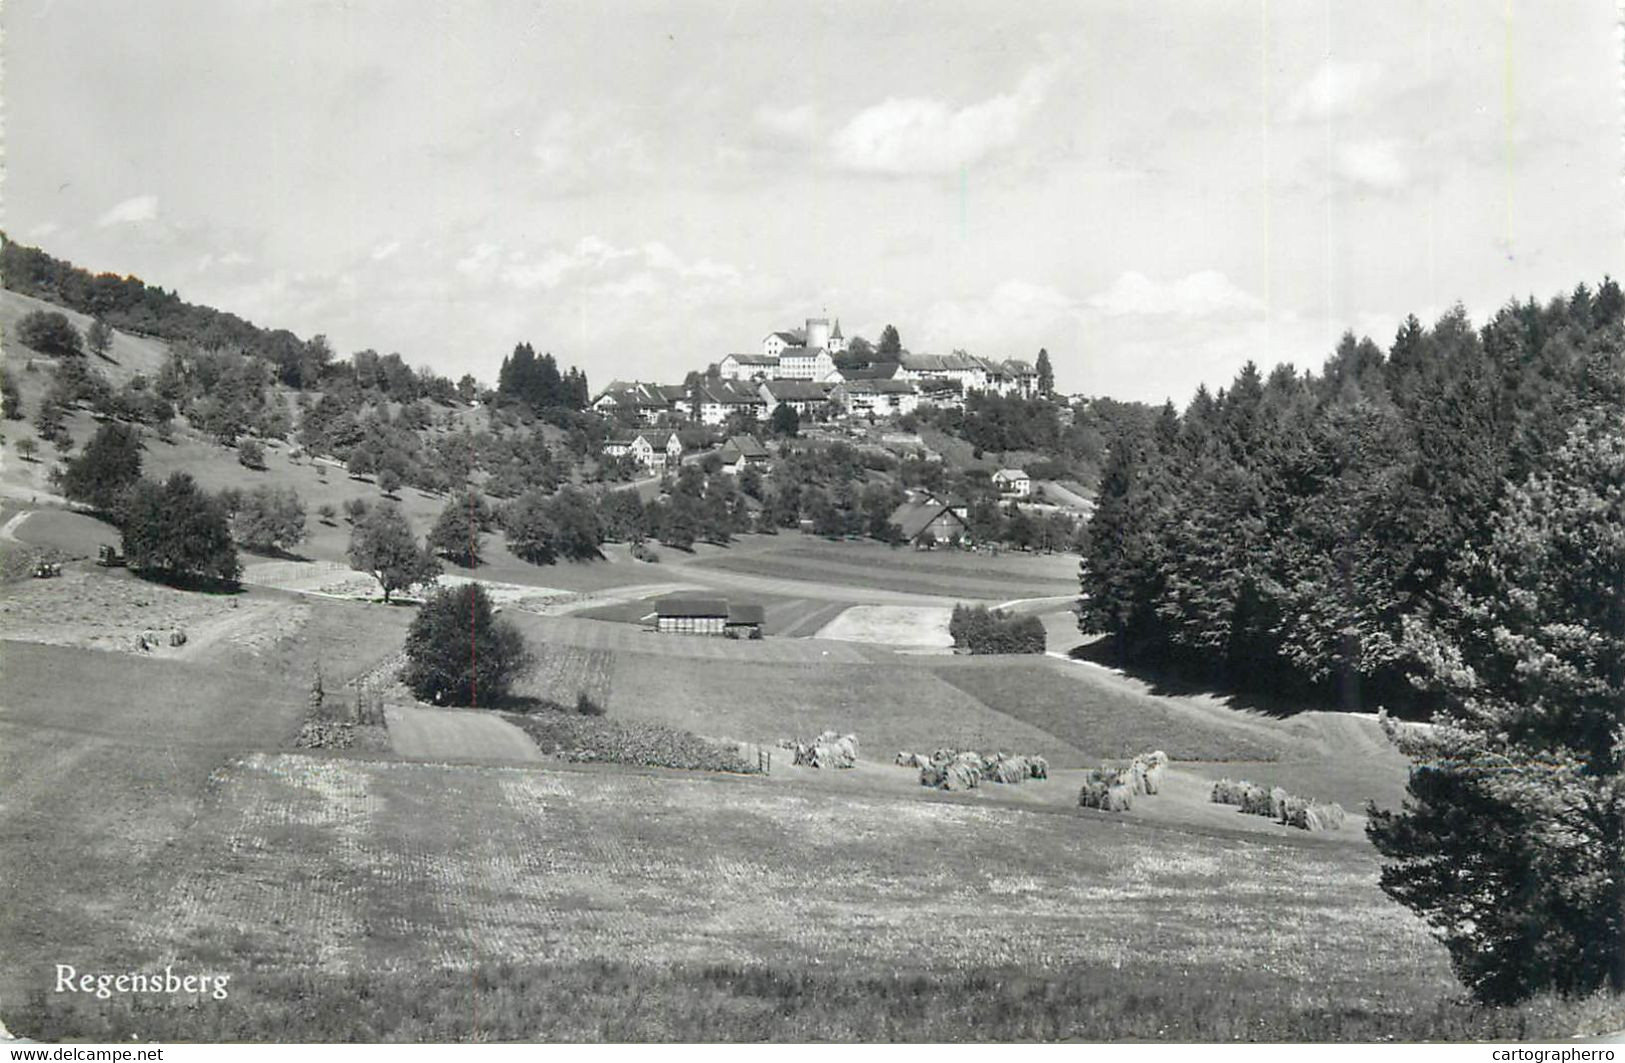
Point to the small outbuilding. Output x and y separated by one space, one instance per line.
707 616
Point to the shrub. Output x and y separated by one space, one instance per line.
982 630
597 739
586 706
327 513
250 454
458 652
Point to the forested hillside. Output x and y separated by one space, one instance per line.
1282 533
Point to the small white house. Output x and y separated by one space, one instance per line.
652 450
1013 482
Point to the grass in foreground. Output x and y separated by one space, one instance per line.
608 1001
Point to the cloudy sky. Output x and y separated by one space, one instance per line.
1154 191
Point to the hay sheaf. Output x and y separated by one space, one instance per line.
828 750
1275 803
949 769
1107 789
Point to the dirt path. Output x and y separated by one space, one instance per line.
8 531
457 735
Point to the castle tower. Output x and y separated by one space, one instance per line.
817 333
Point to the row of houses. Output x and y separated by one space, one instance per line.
963 372
869 394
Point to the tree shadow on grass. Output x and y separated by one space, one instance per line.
186 581
276 553
1170 680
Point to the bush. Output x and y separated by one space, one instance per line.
595 739
459 652
586 706
250 454
983 630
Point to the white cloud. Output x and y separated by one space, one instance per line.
906 136
42 230
1203 294
383 251
132 211
478 258
1374 163
1336 89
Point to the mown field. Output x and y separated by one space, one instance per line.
381 900
334 867
944 573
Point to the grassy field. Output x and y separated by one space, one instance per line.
889 708
1102 720
942 573
717 907
782 616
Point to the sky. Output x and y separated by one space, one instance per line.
1155 191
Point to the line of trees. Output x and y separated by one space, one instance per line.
1436 528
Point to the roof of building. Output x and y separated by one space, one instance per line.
1011 474
691 608
880 387
836 335
1019 367
803 351
914 517
793 337
731 393
796 390
755 359
746 614
746 447
873 371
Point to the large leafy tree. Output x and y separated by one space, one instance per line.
459 652
1512 841
382 544
178 531
269 518
50 332
104 473
891 344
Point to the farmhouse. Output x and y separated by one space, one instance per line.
706 616
802 396
749 366
716 402
876 398
743 452
929 523
1013 482
644 402
650 449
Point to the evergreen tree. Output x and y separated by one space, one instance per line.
1046 374
1512 841
891 344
